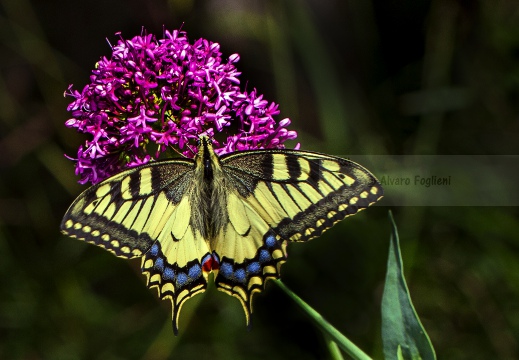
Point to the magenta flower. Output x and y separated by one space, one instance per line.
155 96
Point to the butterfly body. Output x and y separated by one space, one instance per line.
231 215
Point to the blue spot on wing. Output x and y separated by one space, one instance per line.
226 270
168 274
264 256
194 272
182 279
154 250
254 267
240 275
159 264
270 241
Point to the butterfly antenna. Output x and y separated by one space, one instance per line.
177 151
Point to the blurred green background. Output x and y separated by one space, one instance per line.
377 77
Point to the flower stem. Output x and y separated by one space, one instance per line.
342 341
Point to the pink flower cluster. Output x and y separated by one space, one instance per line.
156 95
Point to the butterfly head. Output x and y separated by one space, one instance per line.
204 142
206 157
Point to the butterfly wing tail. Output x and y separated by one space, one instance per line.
244 277
176 277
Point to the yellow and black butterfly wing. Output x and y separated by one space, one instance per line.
299 193
250 252
277 196
145 212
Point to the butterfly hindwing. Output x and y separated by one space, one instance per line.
145 212
176 269
251 253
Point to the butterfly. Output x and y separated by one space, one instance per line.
231 215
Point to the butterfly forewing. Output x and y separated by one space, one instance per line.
121 213
301 194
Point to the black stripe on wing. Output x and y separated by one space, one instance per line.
109 235
325 213
242 280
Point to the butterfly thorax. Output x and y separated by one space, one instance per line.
208 217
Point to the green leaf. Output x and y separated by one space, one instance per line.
403 335
342 341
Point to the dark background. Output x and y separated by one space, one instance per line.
378 77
